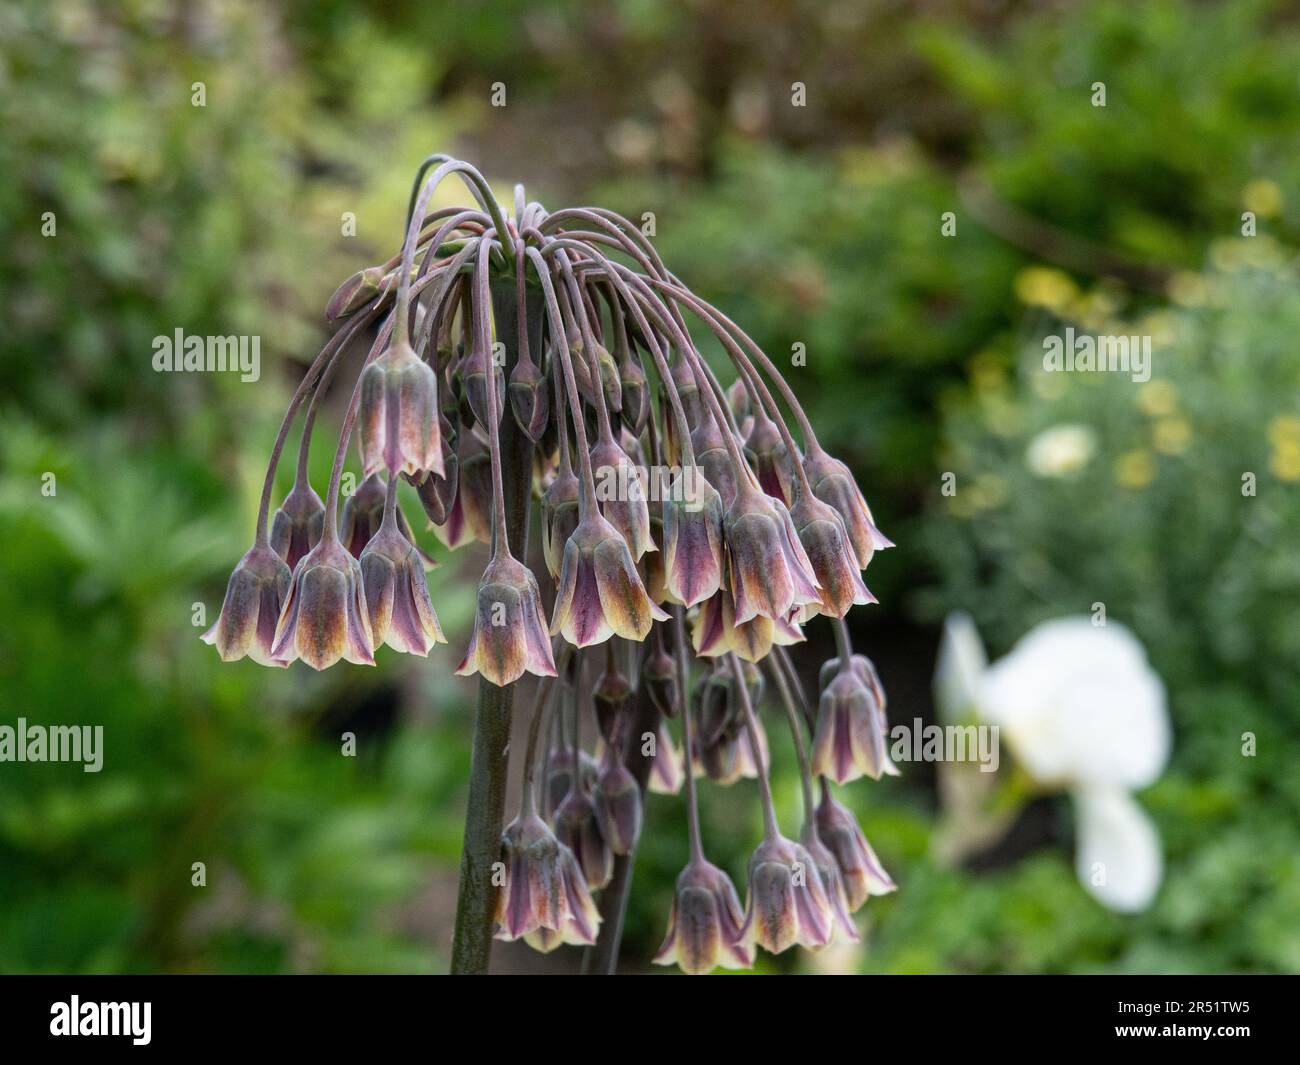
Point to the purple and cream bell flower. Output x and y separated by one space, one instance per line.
297 524
396 590
576 826
559 776
832 483
860 869
692 539
363 514
849 741
621 494
542 886
834 562
400 417
716 632
600 592
768 570
667 771
509 635
787 904
832 881
255 594
710 447
324 617
704 927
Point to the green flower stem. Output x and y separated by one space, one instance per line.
485 814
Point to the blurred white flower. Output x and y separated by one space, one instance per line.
1061 450
1083 712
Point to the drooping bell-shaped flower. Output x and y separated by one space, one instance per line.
354 293
254 595
363 514
834 562
692 539
635 395
474 384
704 927
324 617
577 828
559 776
600 592
542 887
833 483
667 773
438 493
710 447
621 493
768 570
787 902
832 881
399 420
716 632
862 873
297 524
863 667
850 737
509 635
397 592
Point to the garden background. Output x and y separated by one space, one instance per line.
817 225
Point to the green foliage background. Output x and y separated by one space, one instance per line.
817 225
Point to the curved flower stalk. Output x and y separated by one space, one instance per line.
554 355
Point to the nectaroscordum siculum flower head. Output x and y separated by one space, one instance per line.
663 481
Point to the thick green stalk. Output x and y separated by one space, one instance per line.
484 818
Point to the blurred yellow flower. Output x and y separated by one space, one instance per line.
1188 289
1061 450
1285 461
1045 286
1284 430
1172 435
1157 398
1135 469
1263 197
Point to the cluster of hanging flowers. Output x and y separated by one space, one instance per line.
676 514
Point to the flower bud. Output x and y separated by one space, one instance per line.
617 800
715 460
438 493
742 406
833 483
559 776
509 636
859 867
611 698
771 461
635 396
704 927
397 593
473 373
399 420
363 514
470 517
254 596
659 681
529 399
354 293
836 892
559 518
324 617
297 524
787 902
